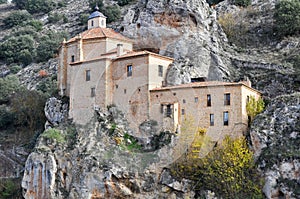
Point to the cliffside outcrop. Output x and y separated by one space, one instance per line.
101 160
275 136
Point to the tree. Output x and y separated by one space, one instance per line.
17 18
94 3
112 13
8 86
35 6
28 107
243 3
19 49
254 107
228 170
287 17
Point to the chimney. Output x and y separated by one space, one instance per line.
120 50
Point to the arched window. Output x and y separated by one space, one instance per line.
92 23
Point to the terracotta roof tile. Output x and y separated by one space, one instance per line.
202 84
144 52
95 33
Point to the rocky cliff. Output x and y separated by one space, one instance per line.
91 163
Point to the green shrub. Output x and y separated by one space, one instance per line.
35 6
124 2
254 107
3 1
83 18
18 49
28 107
113 13
48 87
48 45
8 85
17 18
243 3
9 189
228 170
213 2
14 69
54 17
6 117
93 3
36 24
54 134
287 17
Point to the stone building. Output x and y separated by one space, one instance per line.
99 68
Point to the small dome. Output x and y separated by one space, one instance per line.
96 13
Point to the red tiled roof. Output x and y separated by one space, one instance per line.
95 33
203 84
144 52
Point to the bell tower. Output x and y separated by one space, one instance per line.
96 19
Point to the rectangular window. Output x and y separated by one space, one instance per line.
225 118
208 100
73 58
125 91
160 70
93 93
169 111
87 75
129 70
196 99
117 86
182 111
212 119
227 99
183 101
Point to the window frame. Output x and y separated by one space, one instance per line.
169 110
211 119
208 99
93 92
226 122
227 99
87 75
196 99
129 70
182 111
160 70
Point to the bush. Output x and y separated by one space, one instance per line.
83 18
94 3
254 107
287 17
47 87
54 17
49 45
6 117
9 189
228 170
18 49
243 3
36 24
35 6
28 107
54 134
113 13
8 86
17 18
235 28
124 2
14 69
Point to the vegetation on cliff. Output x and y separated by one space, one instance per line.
228 170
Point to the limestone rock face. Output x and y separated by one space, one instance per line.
101 160
184 30
275 136
56 111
